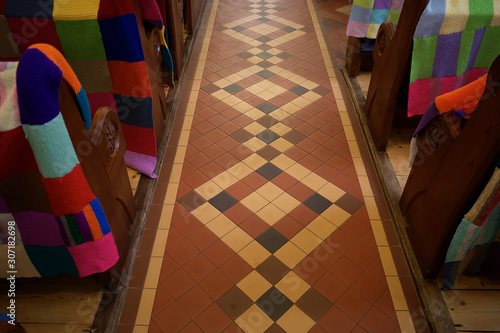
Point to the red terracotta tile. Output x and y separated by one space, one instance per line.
377 270
369 240
182 252
232 328
288 227
201 142
195 179
356 192
218 119
229 127
236 268
239 190
254 180
177 283
187 225
153 328
317 329
300 192
303 214
228 143
238 213
331 287
216 284
202 127
183 189
369 287
362 215
162 300
167 267
174 237
296 153
310 270
254 226
335 320
226 160
353 304
284 181
211 169
361 255
311 162
359 329
171 319
215 135
385 304
218 253
355 227
377 322
198 268
191 328
194 301
241 152
341 241
327 172
347 270
187 168
213 320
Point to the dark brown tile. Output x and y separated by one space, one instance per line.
314 304
159 195
272 269
131 306
234 302
139 272
349 203
275 328
147 241
268 153
400 261
153 216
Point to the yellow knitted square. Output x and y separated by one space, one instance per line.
75 9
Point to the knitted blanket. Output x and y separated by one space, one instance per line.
476 233
100 40
455 43
367 16
61 229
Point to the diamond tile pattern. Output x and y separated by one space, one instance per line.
257 241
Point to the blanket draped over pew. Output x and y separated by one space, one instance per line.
63 229
455 43
475 234
101 41
367 16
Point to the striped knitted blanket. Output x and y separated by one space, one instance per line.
100 40
57 222
455 43
367 16
476 233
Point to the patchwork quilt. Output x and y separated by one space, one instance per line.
455 43
100 40
62 229
367 16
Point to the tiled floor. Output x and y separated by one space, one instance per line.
268 216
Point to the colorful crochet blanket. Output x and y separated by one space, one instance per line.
455 43
367 16
100 40
54 219
476 233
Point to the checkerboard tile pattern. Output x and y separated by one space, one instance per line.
272 219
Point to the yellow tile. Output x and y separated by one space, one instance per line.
254 320
280 129
254 51
175 176
379 233
255 128
387 261
254 254
270 191
314 181
276 90
240 170
223 83
267 95
359 165
221 225
331 192
321 227
365 185
309 85
153 273
160 243
271 214
243 107
145 307
180 154
221 94
171 194
292 286
371 207
254 285
349 133
336 215
225 180
311 96
298 171
279 114
295 321
405 322
286 202
184 137
290 108
141 329
282 145
254 114
237 239
344 116
354 148
254 202
231 100
166 217
397 294
205 213
283 162
306 240
255 89
208 190
300 101
290 255
254 161
341 105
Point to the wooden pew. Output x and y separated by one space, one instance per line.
444 181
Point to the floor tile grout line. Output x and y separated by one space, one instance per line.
395 288
146 302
